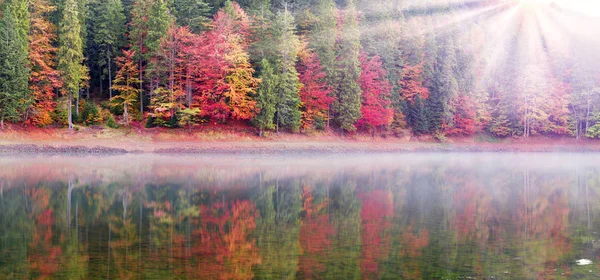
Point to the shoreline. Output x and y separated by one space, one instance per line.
228 140
282 148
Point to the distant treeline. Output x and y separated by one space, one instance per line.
439 67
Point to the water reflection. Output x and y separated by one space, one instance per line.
310 217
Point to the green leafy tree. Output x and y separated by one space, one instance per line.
108 31
323 34
138 35
192 13
188 117
266 98
288 86
347 71
14 72
159 20
70 55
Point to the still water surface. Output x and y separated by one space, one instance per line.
415 216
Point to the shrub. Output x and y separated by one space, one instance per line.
90 114
319 122
110 122
60 114
149 123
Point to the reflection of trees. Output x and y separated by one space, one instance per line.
223 243
47 257
376 214
123 238
315 233
440 221
346 246
542 223
278 228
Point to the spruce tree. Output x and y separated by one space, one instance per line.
288 87
418 117
108 36
266 98
159 20
323 34
192 13
14 73
347 71
70 54
138 33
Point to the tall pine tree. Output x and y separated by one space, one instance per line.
138 34
108 31
70 55
288 87
266 98
14 73
347 70
192 13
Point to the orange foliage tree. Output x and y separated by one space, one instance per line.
411 83
44 78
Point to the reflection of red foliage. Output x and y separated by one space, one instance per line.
222 241
466 218
413 243
45 257
314 236
377 209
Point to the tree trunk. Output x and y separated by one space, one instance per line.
69 111
189 87
587 118
77 106
2 122
277 125
110 91
125 114
141 86
328 116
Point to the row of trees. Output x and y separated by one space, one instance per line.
384 65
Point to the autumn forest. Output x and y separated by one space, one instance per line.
438 67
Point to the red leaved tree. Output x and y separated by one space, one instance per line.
225 81
315 93
376 111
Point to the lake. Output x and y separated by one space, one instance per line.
377 216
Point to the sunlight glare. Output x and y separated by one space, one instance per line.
589 7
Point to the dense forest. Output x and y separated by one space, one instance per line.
437 67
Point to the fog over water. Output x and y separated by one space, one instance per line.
411 216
